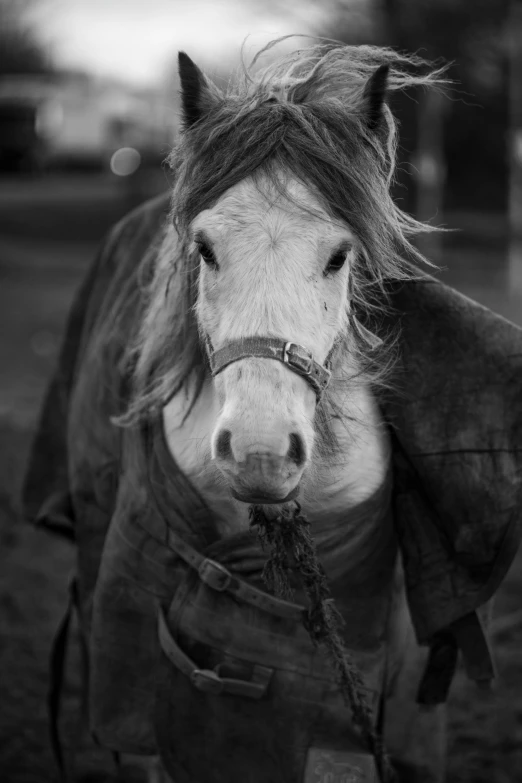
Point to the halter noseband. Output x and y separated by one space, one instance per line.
294 356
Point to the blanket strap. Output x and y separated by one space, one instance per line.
57 667
211 681
217 577
468 634
471 637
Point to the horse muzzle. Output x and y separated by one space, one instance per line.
264 499
261 476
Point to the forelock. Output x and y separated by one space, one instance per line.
304 115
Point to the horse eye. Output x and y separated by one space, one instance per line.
207 254
337 260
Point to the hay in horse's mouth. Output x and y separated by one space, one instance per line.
287 533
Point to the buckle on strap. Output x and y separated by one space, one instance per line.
214 575
210 681
207 681
299 358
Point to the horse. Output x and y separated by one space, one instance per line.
282 222
254 342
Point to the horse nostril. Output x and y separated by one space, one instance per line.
296 452
223 449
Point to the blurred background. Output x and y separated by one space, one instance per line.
88 111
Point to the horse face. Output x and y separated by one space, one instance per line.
273 263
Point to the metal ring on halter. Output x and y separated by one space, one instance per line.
294 359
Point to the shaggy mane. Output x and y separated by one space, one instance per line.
303 114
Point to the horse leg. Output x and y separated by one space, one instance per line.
414 736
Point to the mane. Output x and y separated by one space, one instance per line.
303 115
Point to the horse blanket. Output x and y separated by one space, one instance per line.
455 415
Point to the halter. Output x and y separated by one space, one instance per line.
293 355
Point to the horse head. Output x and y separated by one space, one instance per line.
283 221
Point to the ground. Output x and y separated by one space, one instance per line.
49 231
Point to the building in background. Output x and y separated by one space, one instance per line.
73 119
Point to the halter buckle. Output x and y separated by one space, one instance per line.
302 362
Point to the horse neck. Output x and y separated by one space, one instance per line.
356 463
336 483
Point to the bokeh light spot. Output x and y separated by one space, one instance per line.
125 161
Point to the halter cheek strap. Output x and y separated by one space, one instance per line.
294 356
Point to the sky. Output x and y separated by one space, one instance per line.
137 40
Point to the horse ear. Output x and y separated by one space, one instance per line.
197 97
374 96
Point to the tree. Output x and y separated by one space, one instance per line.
20 50
514 35
457 146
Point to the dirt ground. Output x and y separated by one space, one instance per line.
45 246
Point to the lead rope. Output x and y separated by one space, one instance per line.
288 535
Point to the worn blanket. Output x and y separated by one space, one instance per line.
455 416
